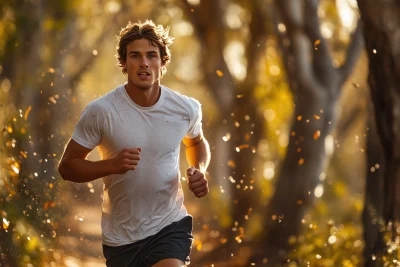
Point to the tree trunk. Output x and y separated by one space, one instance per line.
247 133
316 87
235 101
372 213
382 31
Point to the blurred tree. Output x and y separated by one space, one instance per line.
374 195
242 119
316 86
47 47
381 33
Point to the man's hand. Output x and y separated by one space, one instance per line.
197 182
126 160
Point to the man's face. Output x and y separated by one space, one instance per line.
143 64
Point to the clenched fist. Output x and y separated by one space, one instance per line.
126 160
197 182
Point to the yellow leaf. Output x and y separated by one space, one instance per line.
220 73
231 164
27 112
243 146
317 134
15 167
48 204
23 154
5 224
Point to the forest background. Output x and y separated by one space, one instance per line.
300 105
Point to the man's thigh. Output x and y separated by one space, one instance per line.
169 263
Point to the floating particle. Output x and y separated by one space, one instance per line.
231 163
227 137
15 168
5 224
244 146
26 114
316 135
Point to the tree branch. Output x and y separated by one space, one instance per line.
299 46
353 51
284 48
255 47
322 60
206 19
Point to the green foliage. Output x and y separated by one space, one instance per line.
27 201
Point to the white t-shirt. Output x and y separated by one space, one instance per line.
140 203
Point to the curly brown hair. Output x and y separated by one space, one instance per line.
156 34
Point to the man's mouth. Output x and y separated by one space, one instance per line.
143 74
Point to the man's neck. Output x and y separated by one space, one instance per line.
143 98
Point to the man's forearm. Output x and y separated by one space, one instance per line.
81 170
199 155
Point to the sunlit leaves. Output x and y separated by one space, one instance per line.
112 7
15 167
5 224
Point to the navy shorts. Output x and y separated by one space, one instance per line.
173 241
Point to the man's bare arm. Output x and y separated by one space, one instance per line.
198 152
198 156
76 168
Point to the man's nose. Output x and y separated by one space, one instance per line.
143 63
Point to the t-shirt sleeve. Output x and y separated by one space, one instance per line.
195 119
88 130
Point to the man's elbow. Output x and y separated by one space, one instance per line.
62 170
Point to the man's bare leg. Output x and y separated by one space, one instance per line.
169 263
